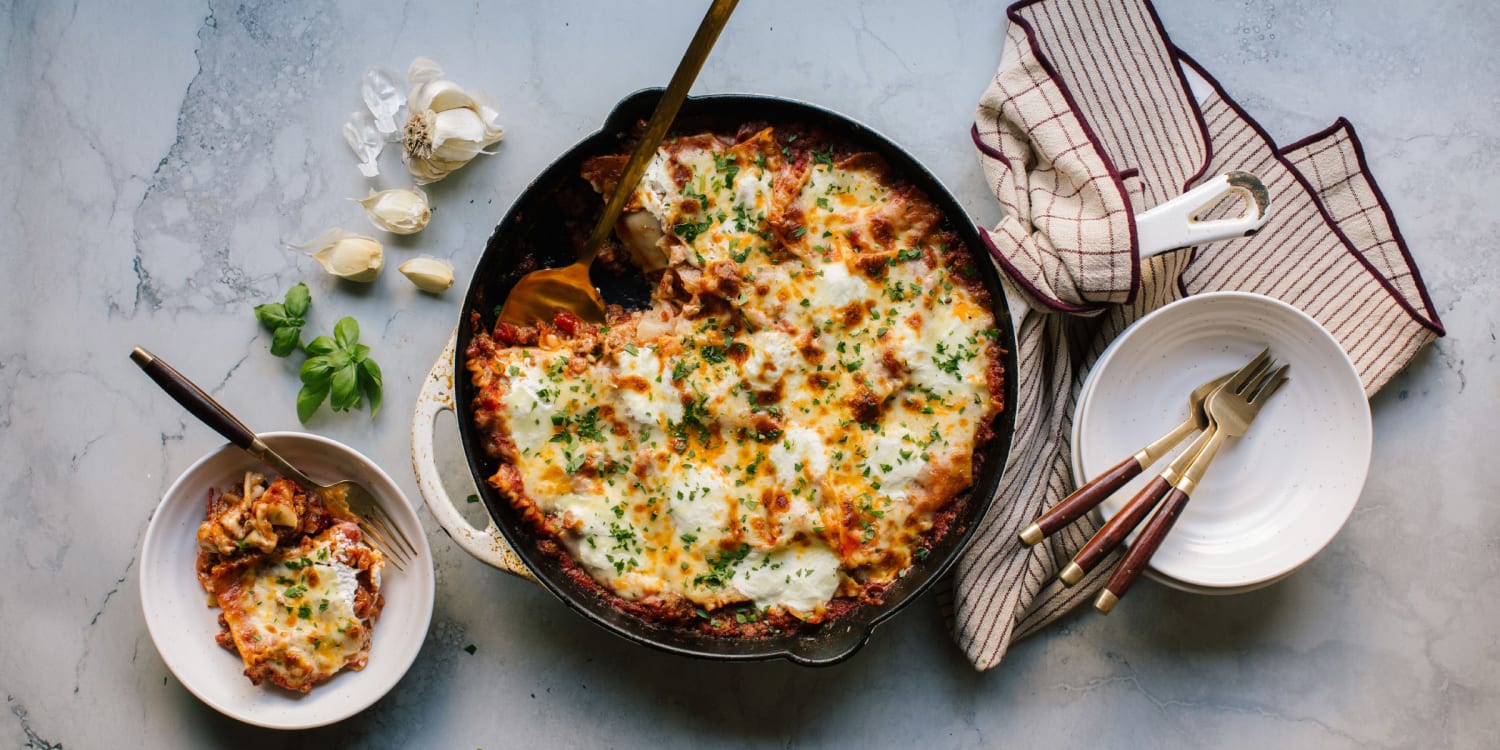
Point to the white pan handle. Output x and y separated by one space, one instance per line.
1175 224
437 396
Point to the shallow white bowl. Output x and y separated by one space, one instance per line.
1273 498
183 625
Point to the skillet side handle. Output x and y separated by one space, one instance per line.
1174 224
485 544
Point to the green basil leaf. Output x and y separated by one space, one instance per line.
360 352
345 391
340 359
320 345
346 333
309 399
317 370
285 340
370 382
272 315
297 300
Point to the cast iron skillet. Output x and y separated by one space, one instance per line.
534 225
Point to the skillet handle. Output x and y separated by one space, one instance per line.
1174 224
485 544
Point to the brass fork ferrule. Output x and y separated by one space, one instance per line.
1031 535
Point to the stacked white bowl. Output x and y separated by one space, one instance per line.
1271 499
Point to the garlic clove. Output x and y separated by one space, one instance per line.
349 256
398 211
441 96
458 125
429 274
423 69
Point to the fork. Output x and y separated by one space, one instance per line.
1231 409
1098 489
1119 525
347 499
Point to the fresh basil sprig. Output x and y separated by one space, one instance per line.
338 369
285 319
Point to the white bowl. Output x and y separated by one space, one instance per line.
183 626
1273 498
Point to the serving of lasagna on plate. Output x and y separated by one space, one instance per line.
793 421
298 588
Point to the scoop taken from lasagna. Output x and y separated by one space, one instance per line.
299 589
793 420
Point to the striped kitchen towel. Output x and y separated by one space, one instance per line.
1092 118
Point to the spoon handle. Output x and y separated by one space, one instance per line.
661 119
194 399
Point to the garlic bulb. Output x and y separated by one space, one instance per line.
445 125
429 274
398 211
346 255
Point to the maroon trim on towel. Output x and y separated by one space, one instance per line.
1411 265
1021 281
1013 14
1187 90
1429 323
987 149
1318 136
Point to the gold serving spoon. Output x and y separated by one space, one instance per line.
541 295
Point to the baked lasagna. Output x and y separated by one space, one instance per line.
298 588
793 420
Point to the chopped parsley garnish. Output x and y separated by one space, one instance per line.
948 359
689 230
905 255
721 568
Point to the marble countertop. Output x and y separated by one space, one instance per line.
162 154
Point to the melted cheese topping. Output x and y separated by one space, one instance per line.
293 614
787 445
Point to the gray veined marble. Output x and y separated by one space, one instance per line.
160 155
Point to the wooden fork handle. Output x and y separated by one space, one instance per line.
1114 531
1083 500
1139 554
193 398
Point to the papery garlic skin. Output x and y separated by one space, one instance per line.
383 97
346 255
365 140
446 126
398 211
429 274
